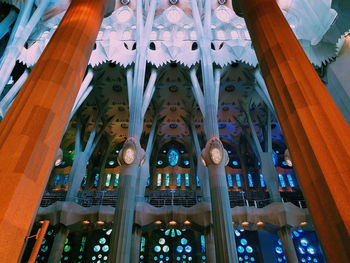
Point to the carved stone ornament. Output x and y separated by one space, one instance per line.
214 152
124 2
131 153
222 2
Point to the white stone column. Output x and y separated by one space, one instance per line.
130 157
215 158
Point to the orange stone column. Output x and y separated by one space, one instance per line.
317 135
33 128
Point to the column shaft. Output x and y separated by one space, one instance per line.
58 244
33 127
124 215
288 246
210 245
316 132
225 246
135 246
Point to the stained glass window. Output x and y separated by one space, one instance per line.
229 180
250 180
65 180
290 180
159 180
198 183
116 180
108 180
167 180
100 247
187 180
173 157
282 182
178 180
238 180
202 244
262 181
97 180
172 245
57 180
245 241
83 183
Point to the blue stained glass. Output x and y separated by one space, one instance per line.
183 241
311 250
187 180
167 232
97 248
282 182
102 240
250 180
178 232
202 244
262 181
105 248
83 183
65 180
162 241
229 180
97 180
143 244
167 180
186 162
173 157
235 163
160 162
301 250
274 158
304 242
244 241
57 180
116 180
157 249
197 181
240 249
179 249
249 249
148 181
188 249
178 180
279 250
290 180
238 180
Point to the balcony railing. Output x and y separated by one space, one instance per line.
160 198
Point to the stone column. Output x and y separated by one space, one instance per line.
285 235
130 157
316 132
33 127
215 157
135 244
209 245
58 244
